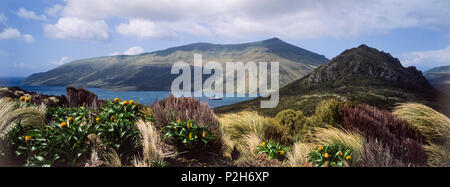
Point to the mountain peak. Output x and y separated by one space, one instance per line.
367 64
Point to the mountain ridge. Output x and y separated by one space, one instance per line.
360 74
151 71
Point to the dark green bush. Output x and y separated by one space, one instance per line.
294 120
116 128
328 112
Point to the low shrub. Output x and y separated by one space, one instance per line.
328 112
272 149
376 154
117 129
331 155
188 134
186 108
55 145
294 120
404 143
280 133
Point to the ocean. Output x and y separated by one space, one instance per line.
143 97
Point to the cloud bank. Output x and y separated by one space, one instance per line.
148 19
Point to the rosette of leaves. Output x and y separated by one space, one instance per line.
330 155
188 134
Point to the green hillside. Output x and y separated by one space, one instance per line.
361 74
151 71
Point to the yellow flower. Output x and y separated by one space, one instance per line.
174 127
27 138
84 104
282 152
263 144
190 135
9 98
51 128
179 120
326 155
70 119
188 125
116 99
115 120
22 98
98 119
131 102
320 148
340 153
204 134
124 102
112 118
63 124
348 157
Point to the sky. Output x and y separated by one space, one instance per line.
38 35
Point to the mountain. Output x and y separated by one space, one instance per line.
151 71
361 74
439 77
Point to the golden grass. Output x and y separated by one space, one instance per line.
244 131
434 126
151 144
297 156
351 140
9 114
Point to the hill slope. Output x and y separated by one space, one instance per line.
439 77
361 74
151 71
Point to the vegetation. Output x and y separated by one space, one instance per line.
179 132
333 155
435 128
272 149
188 134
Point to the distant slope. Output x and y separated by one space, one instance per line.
439 77
151 71
361 74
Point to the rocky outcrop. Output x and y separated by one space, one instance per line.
75 97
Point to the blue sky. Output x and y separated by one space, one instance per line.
38 35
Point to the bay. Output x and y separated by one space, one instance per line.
143 97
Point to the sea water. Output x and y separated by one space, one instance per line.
143 97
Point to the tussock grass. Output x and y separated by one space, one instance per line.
297 156
243 131
10 113
151 143
351 140
433 125
435 128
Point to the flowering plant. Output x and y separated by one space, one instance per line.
333 155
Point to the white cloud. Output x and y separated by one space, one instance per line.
144 29
54 11
23 13
76 28
14 34
284 18
28 38
61 61
131 51
10 33
427 59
